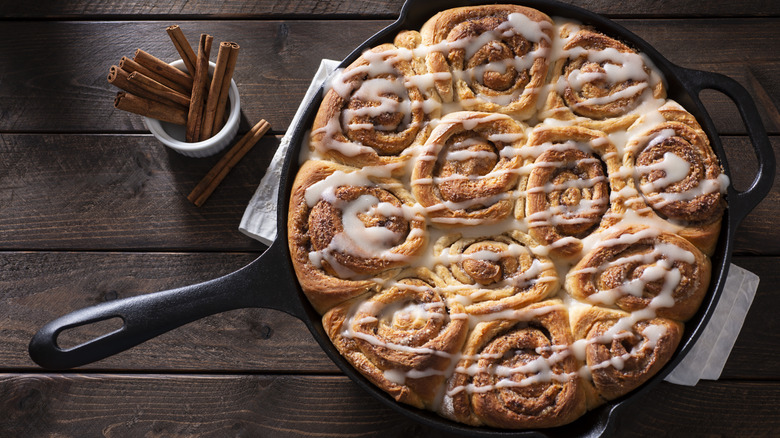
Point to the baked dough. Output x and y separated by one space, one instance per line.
503 219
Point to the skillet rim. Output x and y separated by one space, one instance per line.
412 15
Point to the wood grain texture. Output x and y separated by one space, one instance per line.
49 86
129 192
119 192
363 8
755 353
92 209
292 406
41 286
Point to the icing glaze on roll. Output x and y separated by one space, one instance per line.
503 219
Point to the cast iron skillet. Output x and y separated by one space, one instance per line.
270 282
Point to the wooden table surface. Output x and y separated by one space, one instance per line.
93 208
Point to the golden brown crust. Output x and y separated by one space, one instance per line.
405 327
494 383
333 270
581 93
693 198
622 352
359 125
476 186
493 273
640 268
491 338
475 80
575 171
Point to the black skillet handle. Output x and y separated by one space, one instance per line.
261 283
743 202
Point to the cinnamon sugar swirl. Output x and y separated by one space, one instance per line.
677 173
489 58
597 81
503 219
517 372
376 109
622 351
348 231
468 169
493 273
572 172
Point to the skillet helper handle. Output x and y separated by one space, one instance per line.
741 203
147 316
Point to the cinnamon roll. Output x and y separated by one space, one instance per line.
677 173
573 172
468 169
644 270
623 351
402 338
346 229
375 110
494 273
518 372
503 219
598 81
489 58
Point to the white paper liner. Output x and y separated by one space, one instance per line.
705 360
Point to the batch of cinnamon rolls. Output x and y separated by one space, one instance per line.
503 219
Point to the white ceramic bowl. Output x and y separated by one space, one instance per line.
173 135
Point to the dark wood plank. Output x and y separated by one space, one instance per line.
40 286
373 8
128 192
722 408
120 192
292 406
50 85
754 355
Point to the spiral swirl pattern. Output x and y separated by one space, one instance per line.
599 80
498 384
496 57
569 187
347 230
374 112
403 337
638 268
621 351
678 174
468 169
494 273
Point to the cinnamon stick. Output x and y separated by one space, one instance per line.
157 89
209 183
162 68
146 107
197 98
141 85
183 47
214 90
130 66
224 90
118 78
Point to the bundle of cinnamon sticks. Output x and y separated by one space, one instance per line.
193 98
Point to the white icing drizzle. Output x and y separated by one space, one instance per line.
378 81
